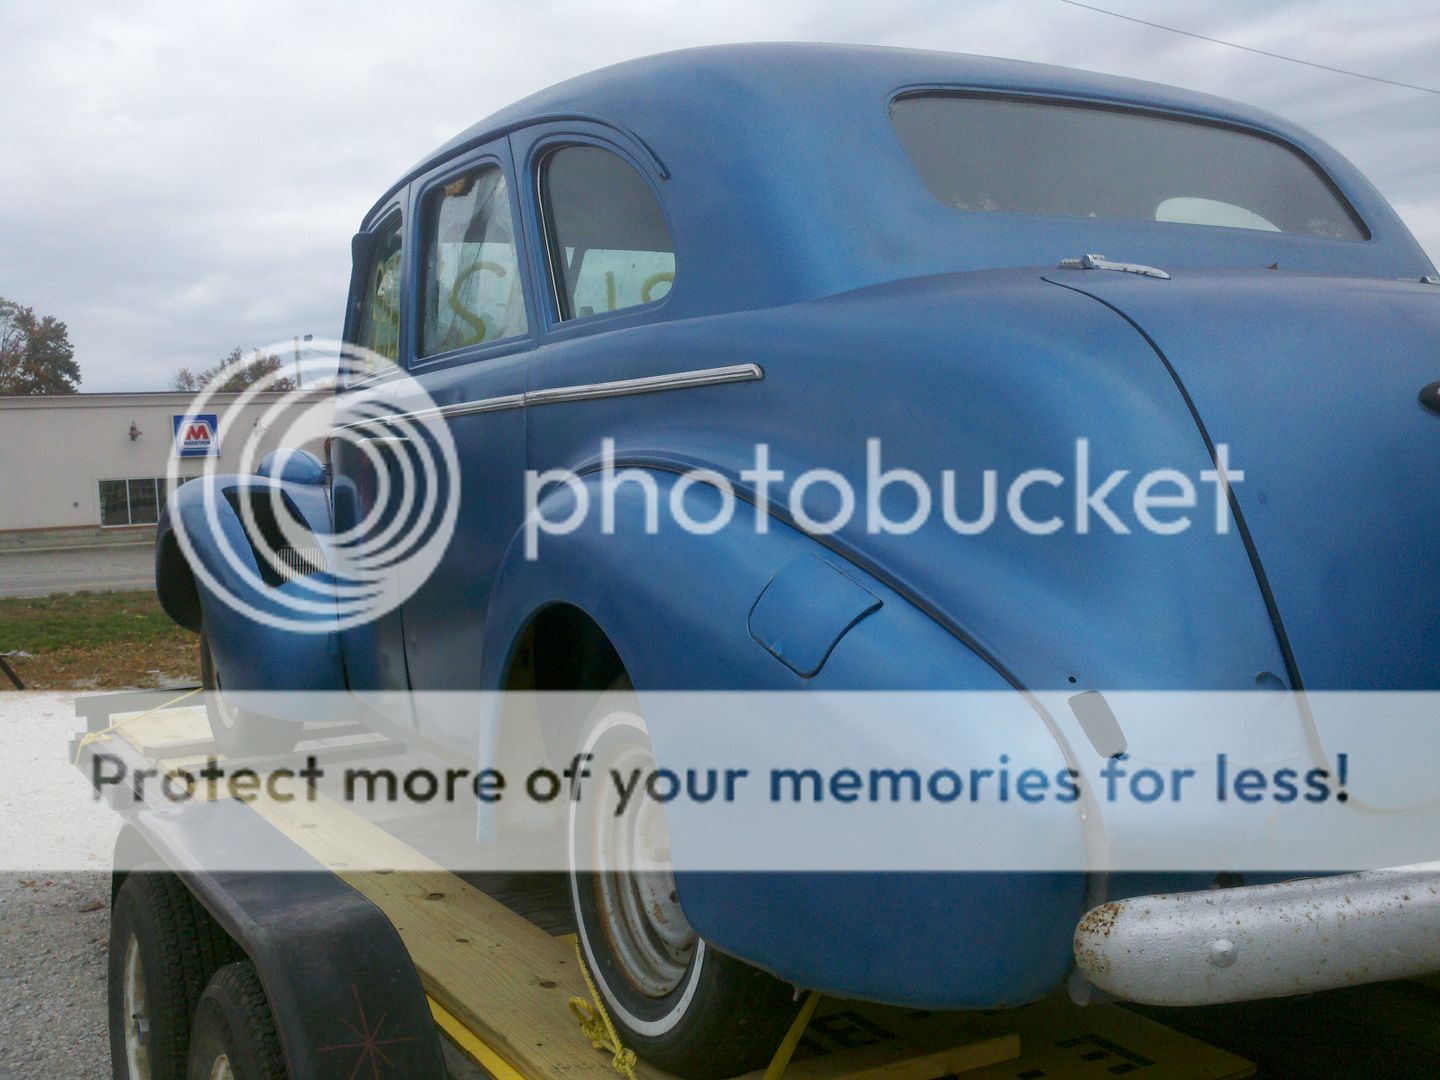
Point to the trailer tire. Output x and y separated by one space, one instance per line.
234 1034
239 732
163 949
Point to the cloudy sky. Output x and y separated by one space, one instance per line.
179 179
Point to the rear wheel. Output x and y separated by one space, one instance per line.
675 1000
234 1036
239 732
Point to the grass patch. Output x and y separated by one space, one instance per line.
95 640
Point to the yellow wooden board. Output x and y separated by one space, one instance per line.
185 732
1058 1040
903 1058
497 973
155 733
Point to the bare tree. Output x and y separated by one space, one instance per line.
36 356
236 372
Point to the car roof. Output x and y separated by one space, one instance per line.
783 85
791 182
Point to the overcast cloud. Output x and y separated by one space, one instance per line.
179 179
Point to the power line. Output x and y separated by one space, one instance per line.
1247 48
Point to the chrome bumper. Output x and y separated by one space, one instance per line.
1264 941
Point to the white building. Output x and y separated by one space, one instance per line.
83 468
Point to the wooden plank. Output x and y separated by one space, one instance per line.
99 710
184 731
156 734
1058 1039
899 1061
500 975
476 1051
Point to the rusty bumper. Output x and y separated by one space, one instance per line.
1264 941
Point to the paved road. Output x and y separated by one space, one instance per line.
43 573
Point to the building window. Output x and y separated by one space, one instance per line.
133 502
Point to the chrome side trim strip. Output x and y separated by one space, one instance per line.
679 380
464 408
469 408
649 384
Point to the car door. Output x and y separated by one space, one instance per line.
605 260
371 641
472 334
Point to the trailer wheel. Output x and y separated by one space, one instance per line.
239 732
234 1035
163 949
676 1001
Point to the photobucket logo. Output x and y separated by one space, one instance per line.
821 501
265 535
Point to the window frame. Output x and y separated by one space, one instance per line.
555 325
378 222
491 154
1348 204
162 490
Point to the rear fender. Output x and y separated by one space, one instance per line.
679 609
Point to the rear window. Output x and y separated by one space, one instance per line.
1034 157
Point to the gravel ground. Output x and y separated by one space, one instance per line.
53 934
55 845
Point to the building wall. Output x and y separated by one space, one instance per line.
55 450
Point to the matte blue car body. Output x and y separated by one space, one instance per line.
253 654
1316 382
806 243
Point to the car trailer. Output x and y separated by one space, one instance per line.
317 971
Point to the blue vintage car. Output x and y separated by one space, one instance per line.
805 247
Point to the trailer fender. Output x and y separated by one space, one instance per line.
334 969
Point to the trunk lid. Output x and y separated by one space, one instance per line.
1318 386
1315 385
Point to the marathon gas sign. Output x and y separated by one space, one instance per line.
197 435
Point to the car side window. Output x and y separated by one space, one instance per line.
608 244
470 290
379 322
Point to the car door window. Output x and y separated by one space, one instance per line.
379 322
608 244
471 291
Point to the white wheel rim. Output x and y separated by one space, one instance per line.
223 709
635 889
134 1016
686 992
